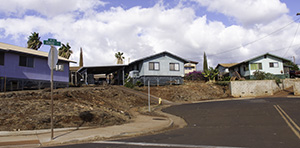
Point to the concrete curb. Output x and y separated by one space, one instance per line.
139 126
42 131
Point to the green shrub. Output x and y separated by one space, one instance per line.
139 83
129 84
260 75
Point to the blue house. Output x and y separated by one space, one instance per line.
22 68
159 69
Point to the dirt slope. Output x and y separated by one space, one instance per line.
190 91
86 106
90 106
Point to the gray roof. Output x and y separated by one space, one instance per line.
18 49
162 53
266 54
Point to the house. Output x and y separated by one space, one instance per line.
190 67
159 69
22 68
224 68
267 63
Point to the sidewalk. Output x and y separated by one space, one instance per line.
140 125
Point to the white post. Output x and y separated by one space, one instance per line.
149 95
52 63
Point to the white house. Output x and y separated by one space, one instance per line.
267 63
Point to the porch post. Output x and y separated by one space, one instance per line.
123 76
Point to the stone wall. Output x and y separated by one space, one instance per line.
287 83
297 88
253 88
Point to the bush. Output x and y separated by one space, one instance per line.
211 74
129 84
138 83
260 75
194 76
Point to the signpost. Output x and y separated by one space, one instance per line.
52 60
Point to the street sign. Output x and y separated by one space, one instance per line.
52 60
53 42
55 57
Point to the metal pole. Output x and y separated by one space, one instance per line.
52 63
149 95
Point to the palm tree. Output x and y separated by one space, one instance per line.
34 41
64 51
119 56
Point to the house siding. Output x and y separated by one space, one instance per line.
164 67
265 60
266 67
40 70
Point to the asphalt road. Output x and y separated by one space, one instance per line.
264 122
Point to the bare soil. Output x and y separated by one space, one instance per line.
73 107
91 106
190 91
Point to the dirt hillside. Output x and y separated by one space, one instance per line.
90 106
189 91
73 107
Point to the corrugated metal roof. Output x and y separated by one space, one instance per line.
13 48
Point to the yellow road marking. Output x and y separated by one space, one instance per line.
281 112
295 125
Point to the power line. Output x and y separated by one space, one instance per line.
257 39
292 40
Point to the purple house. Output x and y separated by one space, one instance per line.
23 68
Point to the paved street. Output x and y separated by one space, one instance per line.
264 122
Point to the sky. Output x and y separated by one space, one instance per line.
228 31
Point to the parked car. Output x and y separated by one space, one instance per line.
294 74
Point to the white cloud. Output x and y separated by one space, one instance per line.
139 32
48 8
247 12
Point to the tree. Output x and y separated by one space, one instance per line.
211 74
81 58
294 66
34 41
119 56
64 51
205 66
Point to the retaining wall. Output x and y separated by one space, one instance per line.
287 83
253 88
297 88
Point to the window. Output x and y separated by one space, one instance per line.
274 64
1 58
174 66
59 67
256 66
26 61
153 65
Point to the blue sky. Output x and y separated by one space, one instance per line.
221 28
